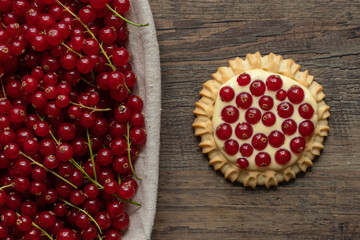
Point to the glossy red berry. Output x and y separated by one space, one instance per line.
98 4
243 130
110 186
295 94
282 156
115 209
138 136
244 100
135 103
230 114
17 114
107 35
266 103
285 110
29 84
246 150
65 233
120 56
126 190
259 141
64 152
227 93
306 128
122 6
281 95
116 80
87 14
262 159
231 147
243 79
276 139
41 128
121 164
23 223
66 131
103 219
274 82
224 131
77 197
289 127
268 119
297 144
257 88
242 163
306 111
87 119
47 219
252 115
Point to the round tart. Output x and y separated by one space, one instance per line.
261 120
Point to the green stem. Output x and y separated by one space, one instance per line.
91 153
132 202
82 210
128 21
73 162
90 32
128 150
41 118
87 82
91 108
50 171
71 50
54 138
7 186
119 178
38 227
2 87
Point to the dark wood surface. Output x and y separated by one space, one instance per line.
198 36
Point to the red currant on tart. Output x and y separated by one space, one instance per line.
265 118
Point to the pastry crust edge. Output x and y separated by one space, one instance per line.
204 110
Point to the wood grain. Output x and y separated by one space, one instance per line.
198 36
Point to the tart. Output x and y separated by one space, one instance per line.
261 120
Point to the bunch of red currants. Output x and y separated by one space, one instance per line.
70 125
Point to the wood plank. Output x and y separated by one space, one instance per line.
198 36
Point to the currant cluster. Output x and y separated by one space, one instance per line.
258 107
70 125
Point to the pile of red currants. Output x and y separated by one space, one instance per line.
70 125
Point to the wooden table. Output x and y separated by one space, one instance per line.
198 36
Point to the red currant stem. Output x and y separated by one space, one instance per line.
119 178
73 162
41 118
4 25
132 202
128 21
72 50
92 75
2 87
38 227
89 31
91 108
54 138
50 171
81 210
128 150
87 82
7 186
91 153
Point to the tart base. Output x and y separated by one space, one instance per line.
204 110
